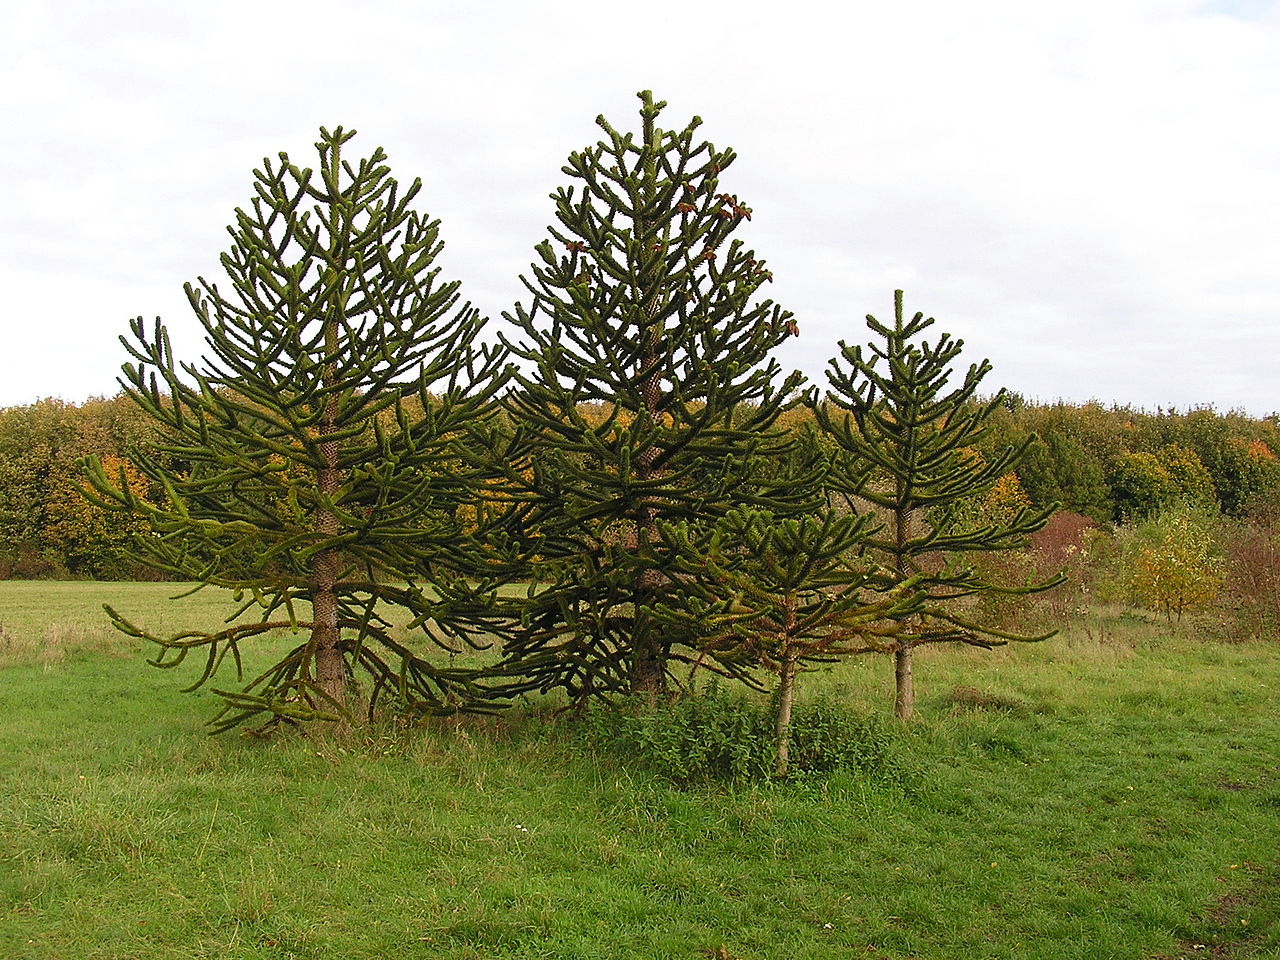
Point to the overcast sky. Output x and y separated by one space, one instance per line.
1087 193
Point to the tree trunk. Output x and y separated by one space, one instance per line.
904 703
330 670
786 688
648 663
648 660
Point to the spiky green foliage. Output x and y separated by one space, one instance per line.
890 408
643 308
323 446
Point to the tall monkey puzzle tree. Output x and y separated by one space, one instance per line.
644 308
324 442
918 439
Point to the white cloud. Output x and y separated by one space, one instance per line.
1084 192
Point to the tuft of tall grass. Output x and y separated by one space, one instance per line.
58 642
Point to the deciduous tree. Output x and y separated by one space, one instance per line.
1174 564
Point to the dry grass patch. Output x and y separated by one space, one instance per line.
57 643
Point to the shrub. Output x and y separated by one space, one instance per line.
1014 612
1174 564
28 561
827 736
1110 555
1251 589
716 736
1072 544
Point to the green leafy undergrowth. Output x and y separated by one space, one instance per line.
714 735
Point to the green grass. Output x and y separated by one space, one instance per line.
1111 794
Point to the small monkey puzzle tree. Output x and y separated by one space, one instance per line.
782 594
324 446
890 410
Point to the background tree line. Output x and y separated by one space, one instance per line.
1111 464
47 530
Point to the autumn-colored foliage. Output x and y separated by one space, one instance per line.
1068 545
1251 587
1005 500
89 537
1175 568
46 528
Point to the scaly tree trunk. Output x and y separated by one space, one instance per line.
786 693
648 669
904 702
330 670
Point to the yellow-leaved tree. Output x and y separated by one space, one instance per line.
1176 568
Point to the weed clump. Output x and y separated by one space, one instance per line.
714 736
964 697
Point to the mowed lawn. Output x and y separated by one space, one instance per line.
1113 793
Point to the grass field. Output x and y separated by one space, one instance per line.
1114 793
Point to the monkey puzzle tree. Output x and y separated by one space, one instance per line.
784 593
323 446
919 440
643 310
